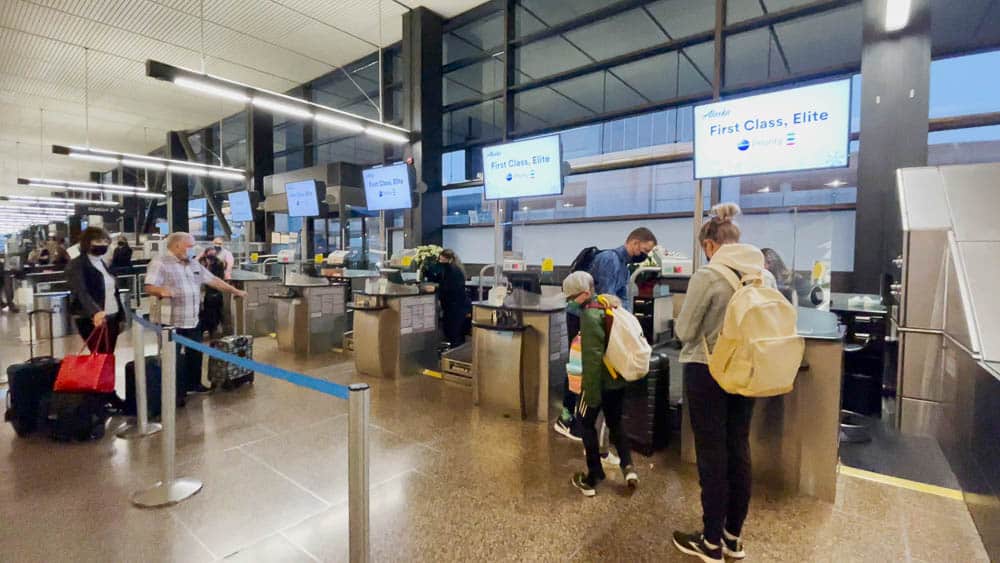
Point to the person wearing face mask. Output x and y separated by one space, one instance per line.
223 255
610 267
455 306
122 257
94 291
720 421
177 276
601 392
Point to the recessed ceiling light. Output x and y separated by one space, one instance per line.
764 190
836 183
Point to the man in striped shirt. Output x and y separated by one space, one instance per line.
177 276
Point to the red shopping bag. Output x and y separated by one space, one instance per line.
91 373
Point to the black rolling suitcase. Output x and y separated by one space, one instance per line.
154 388
78 416
646 413
30 384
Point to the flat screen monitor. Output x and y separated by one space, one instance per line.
303 198
240 208
796 129
388 187
528 168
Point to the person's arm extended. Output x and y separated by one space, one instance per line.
215 283
687 327
605 270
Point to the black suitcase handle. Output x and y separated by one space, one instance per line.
31 331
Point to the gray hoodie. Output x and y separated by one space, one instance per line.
708 295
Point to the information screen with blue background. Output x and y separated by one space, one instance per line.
388 187
523 169
302 199
796 129
239 206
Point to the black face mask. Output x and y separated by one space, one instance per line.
122 243
99 249
640 258
218 248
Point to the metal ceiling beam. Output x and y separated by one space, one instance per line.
205 187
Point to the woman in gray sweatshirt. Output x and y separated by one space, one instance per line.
720 421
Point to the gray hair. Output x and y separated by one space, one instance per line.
174 238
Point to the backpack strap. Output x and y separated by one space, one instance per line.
735 278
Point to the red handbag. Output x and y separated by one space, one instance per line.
91 373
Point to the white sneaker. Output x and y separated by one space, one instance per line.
610 460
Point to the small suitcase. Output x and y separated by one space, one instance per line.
30 385
78 416
646 413
225 375
154 388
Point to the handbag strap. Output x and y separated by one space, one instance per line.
102 336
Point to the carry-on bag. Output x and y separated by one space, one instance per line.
78 416
224 375
646 412
88 373
30 384
154 388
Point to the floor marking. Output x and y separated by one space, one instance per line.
432 373
945 492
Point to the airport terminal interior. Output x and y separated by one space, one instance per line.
344 240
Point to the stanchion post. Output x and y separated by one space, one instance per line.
357 466
142 426
169 490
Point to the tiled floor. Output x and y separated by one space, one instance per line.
449 483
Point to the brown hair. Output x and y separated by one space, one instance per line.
721 226
450 255
90 235
642 234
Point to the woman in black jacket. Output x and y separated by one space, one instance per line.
122 257
94 291
450 277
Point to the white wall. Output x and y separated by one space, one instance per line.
803 235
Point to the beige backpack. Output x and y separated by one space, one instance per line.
759 352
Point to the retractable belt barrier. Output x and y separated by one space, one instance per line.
171 490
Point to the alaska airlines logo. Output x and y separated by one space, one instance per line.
493 154
743 145
715 114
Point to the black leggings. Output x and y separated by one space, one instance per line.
721 425
612 403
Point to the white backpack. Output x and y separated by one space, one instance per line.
759 352
628 352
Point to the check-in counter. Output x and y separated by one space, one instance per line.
395 334
794 438
256 313
311 316
519 357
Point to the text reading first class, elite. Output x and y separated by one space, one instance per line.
517 162
754 124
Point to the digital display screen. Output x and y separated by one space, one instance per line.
239 206
303 201
797 129
388 187
528 168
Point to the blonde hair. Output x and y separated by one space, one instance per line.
721 226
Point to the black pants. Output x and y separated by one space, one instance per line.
612 403
453 319
721 425
85 326
188 362
572 329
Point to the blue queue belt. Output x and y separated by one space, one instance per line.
321 385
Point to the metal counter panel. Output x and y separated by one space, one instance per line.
982 270
923 293
922 364
973 208
496 368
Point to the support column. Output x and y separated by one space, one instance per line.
178 193
422 100
895 77
260 162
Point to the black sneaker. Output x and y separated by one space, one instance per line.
566 429
695 544
200 390
732 546
586 485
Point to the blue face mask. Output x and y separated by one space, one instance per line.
190 253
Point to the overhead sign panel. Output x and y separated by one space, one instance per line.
528 168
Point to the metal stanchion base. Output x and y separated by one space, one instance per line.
131 430
167 494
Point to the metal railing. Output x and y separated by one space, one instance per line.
172 489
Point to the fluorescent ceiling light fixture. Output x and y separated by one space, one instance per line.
836 183
42 200
335 121
90 187
764 190
386 135
280 107
897 14
276 102
206 88
189 170
149 162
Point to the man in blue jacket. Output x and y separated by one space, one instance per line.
610 267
